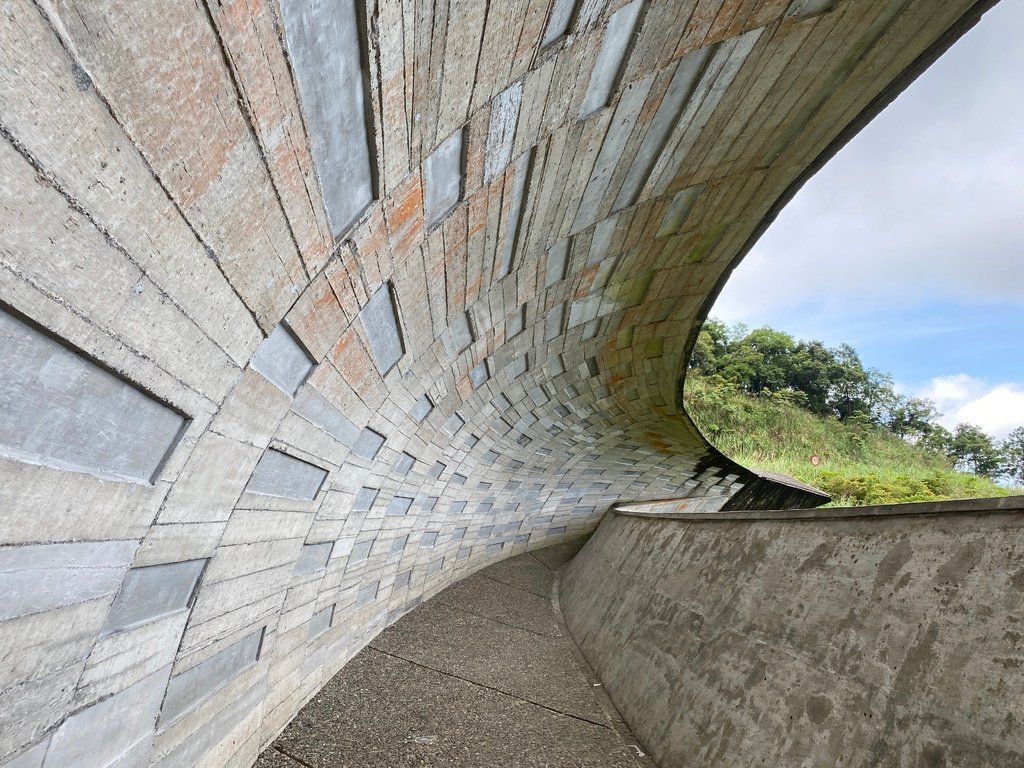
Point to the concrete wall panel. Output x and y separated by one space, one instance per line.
61 410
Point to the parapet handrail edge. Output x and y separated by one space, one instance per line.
993 505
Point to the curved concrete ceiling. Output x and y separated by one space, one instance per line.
311 309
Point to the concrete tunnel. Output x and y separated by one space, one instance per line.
313 308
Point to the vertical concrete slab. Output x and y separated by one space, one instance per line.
478 374
515 213
554 321
153 591
380 321
442 171
61 410
324 43
282 361
610 59
600 245
186 690
515 323
279 474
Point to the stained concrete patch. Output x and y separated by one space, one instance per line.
281 360
323 42
61 410
279 474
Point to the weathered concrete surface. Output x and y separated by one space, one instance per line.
483 674
256 223
823 638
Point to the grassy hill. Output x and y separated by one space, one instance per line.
859 463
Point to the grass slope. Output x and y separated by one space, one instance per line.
860 464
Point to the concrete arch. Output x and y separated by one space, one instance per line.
312 308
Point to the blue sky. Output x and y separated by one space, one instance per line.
909 244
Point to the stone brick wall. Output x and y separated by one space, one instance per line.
308 310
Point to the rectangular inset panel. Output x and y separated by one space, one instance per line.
399 506
515 213
282 361
554 321
454 423
368 444
320 622
317 410
403 464
380 321
61 410
558 262
402 580
364 499
678 210
360 551
314 557
423 406
478 374
515 323
39 577
558 21
501 132
610 59
367 594
630 105
684 80
429 539
279 474
153 591
324 46
194 685
398 545
457 336
114 731
443 179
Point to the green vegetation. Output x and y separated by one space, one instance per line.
772 402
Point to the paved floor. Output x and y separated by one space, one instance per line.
481 676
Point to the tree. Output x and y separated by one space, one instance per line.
711 347
975 451
810 372
1013 456
913 419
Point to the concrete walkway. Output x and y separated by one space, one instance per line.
482 675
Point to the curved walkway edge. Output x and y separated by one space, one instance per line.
484 674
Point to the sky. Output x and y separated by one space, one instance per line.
909 243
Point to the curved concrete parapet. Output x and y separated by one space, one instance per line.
879 636
310 308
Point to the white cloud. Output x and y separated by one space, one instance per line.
923 205
996 408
